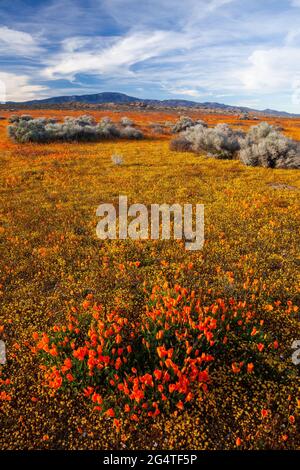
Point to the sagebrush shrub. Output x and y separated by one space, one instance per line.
125 121
24 131
184 123
265 146
13 118
129 132
83 128
199 122
219 142
180 144
26 117
106 120
84 120
106 129
16 118
157 128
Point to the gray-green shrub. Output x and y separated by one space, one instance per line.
265 146
23 131
83 128
125 121
184 123
180 144
219 142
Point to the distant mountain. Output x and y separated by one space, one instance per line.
121 98
97 98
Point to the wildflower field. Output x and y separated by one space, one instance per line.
142 344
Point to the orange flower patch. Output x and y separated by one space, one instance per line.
144 367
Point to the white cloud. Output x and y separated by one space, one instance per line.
185 91
271 70
116 56
19 88
293 38
213 5
145 40
17 42
158 13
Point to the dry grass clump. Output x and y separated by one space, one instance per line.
117 160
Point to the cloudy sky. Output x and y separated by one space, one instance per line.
239 52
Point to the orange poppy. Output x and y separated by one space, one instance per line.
260 347
110 413
292 419
157 374
118 339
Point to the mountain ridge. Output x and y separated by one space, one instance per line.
122 98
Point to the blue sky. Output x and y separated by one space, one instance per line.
239 52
